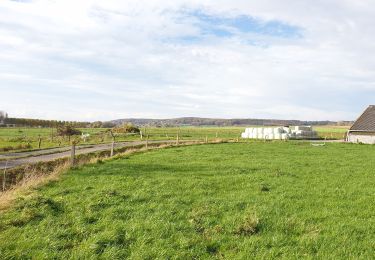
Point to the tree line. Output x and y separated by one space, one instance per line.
27 122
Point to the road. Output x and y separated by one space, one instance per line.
12 160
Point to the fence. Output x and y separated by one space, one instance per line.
10 177
14 176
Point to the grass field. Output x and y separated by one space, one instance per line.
234 201
20 139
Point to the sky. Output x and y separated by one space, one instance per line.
93 60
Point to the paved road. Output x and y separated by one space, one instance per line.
17 159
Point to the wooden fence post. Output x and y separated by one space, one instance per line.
146 141
39 142
4 176
112 148
206 139
73 155
216 134
177 139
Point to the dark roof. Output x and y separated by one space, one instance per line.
366 122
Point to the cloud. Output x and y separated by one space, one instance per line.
91 59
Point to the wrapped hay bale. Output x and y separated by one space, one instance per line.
268 131
278 130
284 136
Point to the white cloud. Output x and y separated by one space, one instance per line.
91 59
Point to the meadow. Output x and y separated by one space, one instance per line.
23 139
257 200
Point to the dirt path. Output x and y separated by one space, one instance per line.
17 159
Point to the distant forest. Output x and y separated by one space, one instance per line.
41 123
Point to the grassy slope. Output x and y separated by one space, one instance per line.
203 201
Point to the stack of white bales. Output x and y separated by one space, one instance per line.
265 133
279 133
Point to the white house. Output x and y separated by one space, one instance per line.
363 129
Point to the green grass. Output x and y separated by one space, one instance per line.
15 137
332 132
235 201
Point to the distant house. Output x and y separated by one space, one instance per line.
363 130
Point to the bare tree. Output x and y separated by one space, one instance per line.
3 115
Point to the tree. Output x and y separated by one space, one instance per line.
67 130
127 128
108 125
3 116
96 124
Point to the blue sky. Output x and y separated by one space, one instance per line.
101 60
227 26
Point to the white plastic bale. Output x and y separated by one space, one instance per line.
277 130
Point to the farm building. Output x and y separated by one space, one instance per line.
363 130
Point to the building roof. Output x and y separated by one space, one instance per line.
366 122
